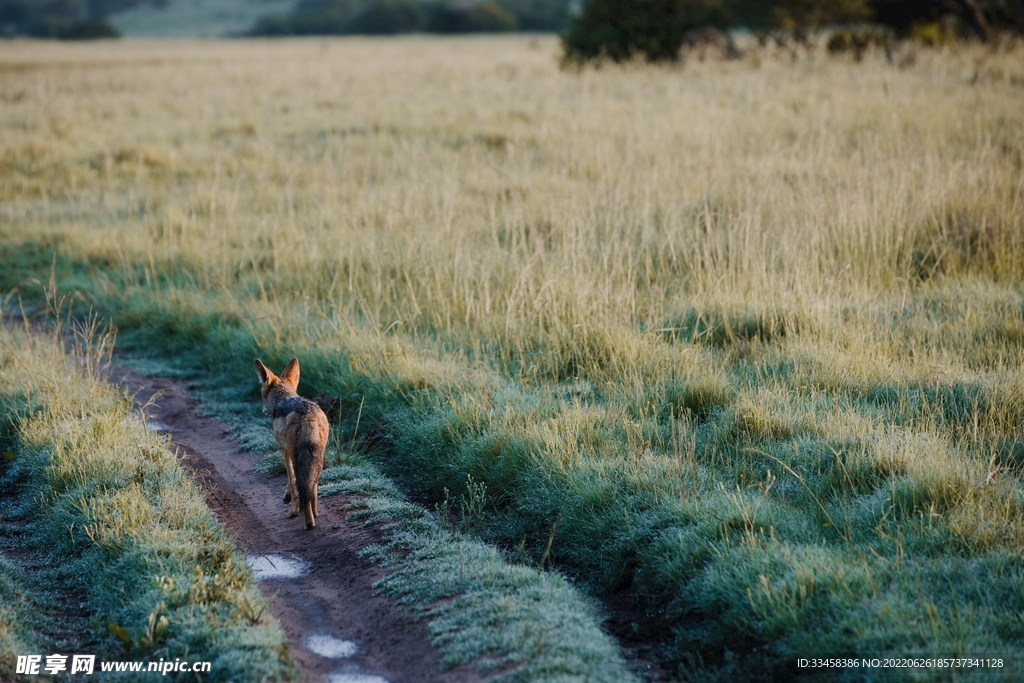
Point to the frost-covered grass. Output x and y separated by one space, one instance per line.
18 615
122 557
514 622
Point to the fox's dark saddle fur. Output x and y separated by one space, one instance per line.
294 404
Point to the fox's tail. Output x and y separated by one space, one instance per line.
308 463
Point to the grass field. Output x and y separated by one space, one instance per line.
740 339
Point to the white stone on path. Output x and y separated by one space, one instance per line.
329 646
277 566
356 678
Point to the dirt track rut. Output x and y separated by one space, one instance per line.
335 598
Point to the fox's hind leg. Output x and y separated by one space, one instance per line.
290 495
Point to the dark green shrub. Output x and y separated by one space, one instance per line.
272 25
62 19
859 39
90 29
980 18
53 26
801 16
489 17
310 18
785 20
485 17
622 29
102 8
322 17
538 15
656 29
386 17
48 26
339 17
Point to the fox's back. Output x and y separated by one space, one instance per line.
298 422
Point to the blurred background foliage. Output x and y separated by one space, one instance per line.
656 30
66 19
383 17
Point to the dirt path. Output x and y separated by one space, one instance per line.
334 602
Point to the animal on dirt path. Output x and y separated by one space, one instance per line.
301 429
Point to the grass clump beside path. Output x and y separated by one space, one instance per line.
514 622
743 340
127 561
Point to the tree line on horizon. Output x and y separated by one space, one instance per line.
387 17
596 29
657 29
62 19
82 19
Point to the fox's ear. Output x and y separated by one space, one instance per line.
262 372
291 372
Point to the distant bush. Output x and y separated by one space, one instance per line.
931 34
64 29
489 17
385 17
272 25
90 29
538 15
797 18
102 8
944 19
656 29
311 17
484 17
622 29
859 39
62 19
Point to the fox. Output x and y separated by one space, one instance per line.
301 429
